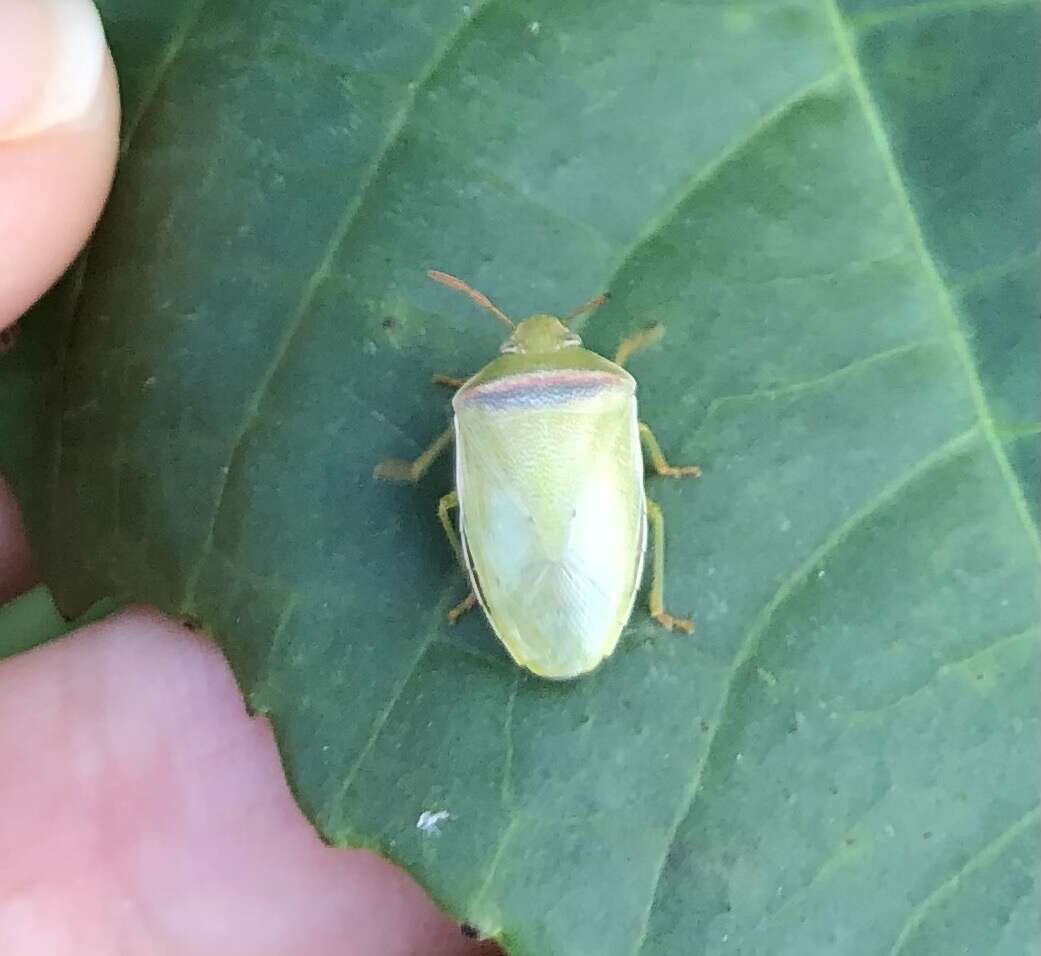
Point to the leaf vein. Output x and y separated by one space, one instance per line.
506 789
278 635
949 315
787 589
1018 431
706 173
980 857
997 272
835 854
311 287
166 61
931 8
384 715
944 669
828 378
493 866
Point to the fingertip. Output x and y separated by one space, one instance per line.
59 132
181 811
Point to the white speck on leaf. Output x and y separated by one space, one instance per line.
430 821
534 27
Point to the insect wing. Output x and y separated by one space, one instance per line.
550 479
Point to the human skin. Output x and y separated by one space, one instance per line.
141 809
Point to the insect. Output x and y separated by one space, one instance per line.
549 485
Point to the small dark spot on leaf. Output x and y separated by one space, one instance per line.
850 841
192 623
833 790
470 932
705 726
979 677
927 835
389 322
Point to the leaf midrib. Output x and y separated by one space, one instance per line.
948 311
854 74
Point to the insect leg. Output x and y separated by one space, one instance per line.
396 470
462 607
444 507
637 342
450 380
657 601
658 460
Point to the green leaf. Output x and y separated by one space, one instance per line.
28 621
833 212
33 619
27 383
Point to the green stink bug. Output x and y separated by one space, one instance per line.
553 516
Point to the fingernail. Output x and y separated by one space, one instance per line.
52 56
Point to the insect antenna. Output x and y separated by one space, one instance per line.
479 297
592 304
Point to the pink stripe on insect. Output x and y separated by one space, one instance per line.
552 384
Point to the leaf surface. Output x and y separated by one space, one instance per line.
832 211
